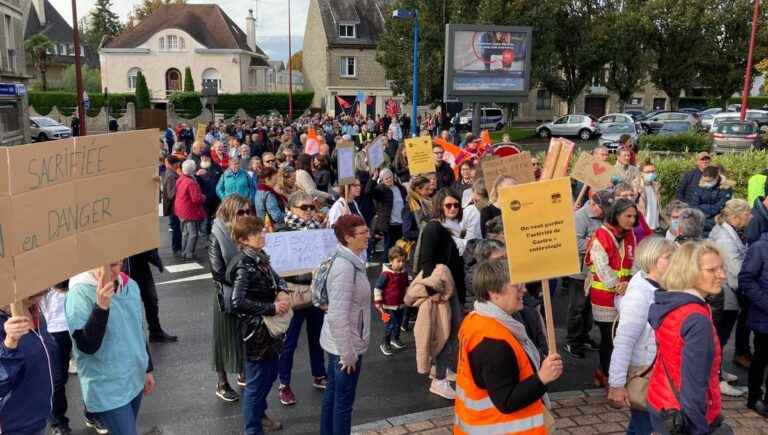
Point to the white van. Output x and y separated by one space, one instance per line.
491 118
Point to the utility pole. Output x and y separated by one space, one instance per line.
748 72
78 72
290 67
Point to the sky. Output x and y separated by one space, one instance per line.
271 28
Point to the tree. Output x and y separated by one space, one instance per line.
676 43
297 61
101 22
189 83
91 79
142 92
762 67
147 7
37 48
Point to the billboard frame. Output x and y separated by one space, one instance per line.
492 95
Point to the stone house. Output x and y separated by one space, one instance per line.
176 36
14 126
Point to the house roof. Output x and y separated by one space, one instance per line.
368 15
58 31
277 65
207 23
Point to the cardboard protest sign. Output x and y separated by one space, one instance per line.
375 152
420 157
113 153
592 172
200 132
517 166
4 172
345 157
44 216
558 158
113 198
43 164
6 259
288 251
539 230
42 267
113 242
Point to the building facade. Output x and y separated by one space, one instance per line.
14 125
201 37
340 55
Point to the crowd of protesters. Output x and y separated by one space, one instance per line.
665 284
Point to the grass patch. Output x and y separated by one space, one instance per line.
515 134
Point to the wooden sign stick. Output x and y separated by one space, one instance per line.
548 318
18 309
583 192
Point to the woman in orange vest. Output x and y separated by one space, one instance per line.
500 383
610 256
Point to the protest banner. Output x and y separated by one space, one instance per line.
517 166
420 157
4 172
540 236
288 251
558 158
73 205
592 172
200 132
375 152
345 158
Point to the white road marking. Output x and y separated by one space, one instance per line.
187 279
176 268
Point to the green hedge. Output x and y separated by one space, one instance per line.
682 142
188 103
704 102
43 102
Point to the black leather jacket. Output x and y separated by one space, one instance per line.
255 287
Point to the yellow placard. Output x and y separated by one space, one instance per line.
420 157
539 230
200 132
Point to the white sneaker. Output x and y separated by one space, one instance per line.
443 389
728 377
729 390
72 367
449 374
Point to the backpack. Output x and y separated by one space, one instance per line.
319 284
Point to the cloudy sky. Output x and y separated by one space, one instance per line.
272 27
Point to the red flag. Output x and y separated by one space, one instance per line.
369 100
343 103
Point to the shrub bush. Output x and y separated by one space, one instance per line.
188 103
704 102
43 102
683 142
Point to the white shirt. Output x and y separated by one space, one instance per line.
340 208
52 307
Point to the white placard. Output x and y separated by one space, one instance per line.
346 159
297 252
376 152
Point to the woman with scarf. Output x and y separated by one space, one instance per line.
269 203
299 217
418 207
389 200
227 350
610 255
501 378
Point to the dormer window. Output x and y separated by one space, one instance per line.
347 31
173 42
162 43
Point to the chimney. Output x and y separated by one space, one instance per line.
39 6
250 29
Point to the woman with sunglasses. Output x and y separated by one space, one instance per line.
269 203
227 351
299 217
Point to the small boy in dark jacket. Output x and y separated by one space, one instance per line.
388 296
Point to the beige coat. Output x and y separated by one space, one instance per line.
433 322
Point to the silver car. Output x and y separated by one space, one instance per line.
611 133
583 126
44 128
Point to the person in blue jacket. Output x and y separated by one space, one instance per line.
235 180
26 367
753 284
710 195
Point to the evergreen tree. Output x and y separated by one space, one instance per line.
101 22
142 92
148 7
189 83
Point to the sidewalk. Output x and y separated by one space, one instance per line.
577 412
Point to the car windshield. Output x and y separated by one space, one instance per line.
675 127
46 122
737 128
619 128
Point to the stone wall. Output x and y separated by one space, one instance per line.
97 124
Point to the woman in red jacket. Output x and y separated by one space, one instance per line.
610 256
188 206
684 387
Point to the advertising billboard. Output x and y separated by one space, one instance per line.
487 61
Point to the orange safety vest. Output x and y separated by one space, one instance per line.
475 413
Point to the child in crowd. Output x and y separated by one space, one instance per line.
388 295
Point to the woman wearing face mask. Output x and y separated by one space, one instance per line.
649 200
672 217
389 200
610 256
711 195
731 221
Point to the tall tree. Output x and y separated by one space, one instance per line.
189 83
297 61
101 22
91 79
147 7
142 92
676 42
37 47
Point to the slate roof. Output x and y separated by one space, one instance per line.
207 23
367 14
57 30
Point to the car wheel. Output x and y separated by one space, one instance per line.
585 134
42 137
544 133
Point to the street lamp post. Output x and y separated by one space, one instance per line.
408 14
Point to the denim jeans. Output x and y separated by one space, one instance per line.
61 376
314 317
259 377
175 224
336 414
392 328
122 420
190 231
639 423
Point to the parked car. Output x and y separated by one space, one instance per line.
612 118
733 108
655 123
675 127
637 114
758 116
690 110
736 136
611 133
43 128
491 118
583 126
711 111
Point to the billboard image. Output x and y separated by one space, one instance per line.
487 60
